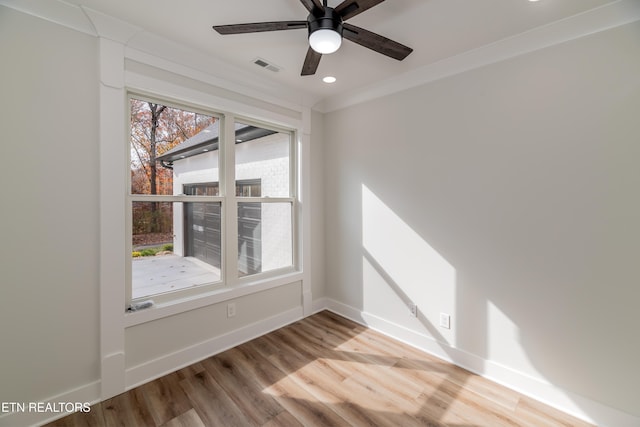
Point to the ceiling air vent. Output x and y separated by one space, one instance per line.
266 65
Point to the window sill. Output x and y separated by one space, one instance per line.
218 295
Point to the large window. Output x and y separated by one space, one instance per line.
187 232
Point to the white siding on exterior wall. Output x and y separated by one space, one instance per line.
196 169
266 159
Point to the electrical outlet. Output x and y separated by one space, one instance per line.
414 309
231 309
445 321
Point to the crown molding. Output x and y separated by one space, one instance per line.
159 50
111 28
590 22
57 12
197 64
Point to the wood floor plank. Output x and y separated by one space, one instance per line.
451 401
188 419
364 363
331 346
283 419
127 409
533 413
165 399
323 370
295 399
189 371
427 372
211 402
242 388
315 376
82 419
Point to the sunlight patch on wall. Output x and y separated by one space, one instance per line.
400 267
501 329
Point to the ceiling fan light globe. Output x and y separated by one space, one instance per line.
325 41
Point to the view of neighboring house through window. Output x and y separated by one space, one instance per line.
159 264
265 202
202 226
177 206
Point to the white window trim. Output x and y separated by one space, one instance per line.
229 280
115 83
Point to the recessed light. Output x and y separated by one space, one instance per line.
329 79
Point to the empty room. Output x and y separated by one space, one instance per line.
320 213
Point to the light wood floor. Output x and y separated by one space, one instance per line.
321 371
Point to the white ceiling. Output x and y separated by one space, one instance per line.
435 29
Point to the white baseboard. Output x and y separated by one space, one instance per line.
112 375
307 302
536 388
89 393
166 364
137 375
319 304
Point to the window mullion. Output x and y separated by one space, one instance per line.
177 198
228 185
266 199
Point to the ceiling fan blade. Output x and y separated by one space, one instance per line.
313 6
376 42
258 27
350 8
311 62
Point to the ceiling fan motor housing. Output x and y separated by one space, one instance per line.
329 20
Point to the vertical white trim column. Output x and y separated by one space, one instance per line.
305 213
112 217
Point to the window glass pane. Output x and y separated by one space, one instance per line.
171 147
264 237
175 246
202 189
262 156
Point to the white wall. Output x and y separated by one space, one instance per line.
514 184
162 346
317 206
49 230
50 295
506 196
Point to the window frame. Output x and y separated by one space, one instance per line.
230 281
292 198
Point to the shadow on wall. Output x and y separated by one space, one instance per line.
402 273
400 268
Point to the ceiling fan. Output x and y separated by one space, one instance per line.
326 28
